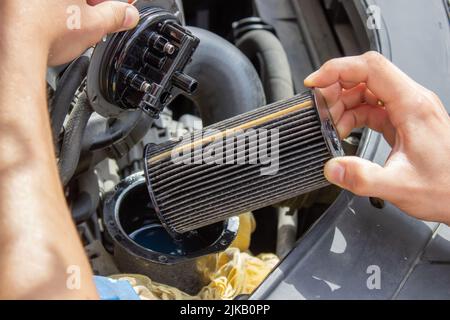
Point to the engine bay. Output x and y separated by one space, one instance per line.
189 67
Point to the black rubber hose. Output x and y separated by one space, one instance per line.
121 128
65 91
264 47
228 82
73 138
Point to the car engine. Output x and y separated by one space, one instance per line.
188 68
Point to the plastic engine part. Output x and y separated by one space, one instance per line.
142 68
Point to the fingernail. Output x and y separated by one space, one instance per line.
131 17
334 172
309 79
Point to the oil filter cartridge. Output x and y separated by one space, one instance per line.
245 163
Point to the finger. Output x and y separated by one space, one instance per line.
344 99
332 94
94 2
359 176
384 79
370 98
376 118
349 84
354 96
113 16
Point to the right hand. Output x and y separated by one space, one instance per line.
368 90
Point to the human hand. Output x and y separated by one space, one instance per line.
64 28
368 90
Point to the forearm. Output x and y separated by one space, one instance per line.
38 241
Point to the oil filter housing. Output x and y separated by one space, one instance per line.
248 162
143 246
142 68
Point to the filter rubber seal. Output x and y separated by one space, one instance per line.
329 130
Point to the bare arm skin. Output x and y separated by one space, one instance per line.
369 90
38 240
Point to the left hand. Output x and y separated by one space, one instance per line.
65 28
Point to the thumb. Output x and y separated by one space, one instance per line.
115 16
357 175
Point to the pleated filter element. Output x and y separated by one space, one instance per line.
245 163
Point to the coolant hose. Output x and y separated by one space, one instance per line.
65 91
228 83
264 47
73 137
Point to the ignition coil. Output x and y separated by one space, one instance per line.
142 68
